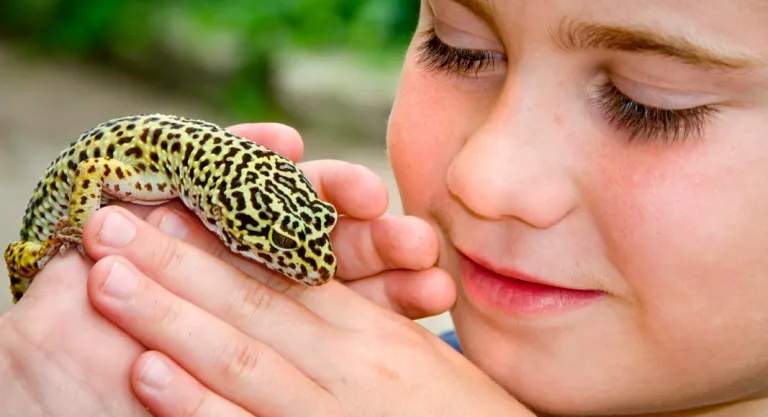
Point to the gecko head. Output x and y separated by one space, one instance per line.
298 245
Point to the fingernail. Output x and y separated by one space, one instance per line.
156 374
121 282
173 225
116 230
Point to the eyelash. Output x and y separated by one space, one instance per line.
640 121
434 54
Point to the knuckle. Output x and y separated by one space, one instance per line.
218 250
252 300
167 313
194 408
165 254
241 360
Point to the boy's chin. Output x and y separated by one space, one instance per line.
583 367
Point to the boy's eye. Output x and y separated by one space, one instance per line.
639 121
434 54
643 122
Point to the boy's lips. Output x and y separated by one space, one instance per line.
519 294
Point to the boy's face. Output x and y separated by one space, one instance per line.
634 184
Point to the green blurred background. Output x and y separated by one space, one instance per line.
327 67
226 51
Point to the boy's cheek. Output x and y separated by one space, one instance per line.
424 135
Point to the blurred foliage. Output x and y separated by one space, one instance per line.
236 38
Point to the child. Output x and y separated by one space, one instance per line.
594 173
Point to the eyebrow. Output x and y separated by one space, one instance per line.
575 35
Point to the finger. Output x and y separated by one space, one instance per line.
413 294
365 248
277 137
242 369
63 278
168 391
184 270
179 267
353 189
405 245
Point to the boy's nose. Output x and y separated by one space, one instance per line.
509 168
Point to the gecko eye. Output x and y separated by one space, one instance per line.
282 241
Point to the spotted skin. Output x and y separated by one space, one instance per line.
257 202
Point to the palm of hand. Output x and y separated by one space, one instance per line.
60 357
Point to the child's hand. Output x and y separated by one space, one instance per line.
58 356
387 259
233 346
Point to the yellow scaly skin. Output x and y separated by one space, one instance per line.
256 201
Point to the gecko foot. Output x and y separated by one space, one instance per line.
64 237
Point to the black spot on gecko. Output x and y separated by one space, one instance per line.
154 157
124 140
111 150
92 169
135 152
71 165
239 200
324 272
119 173
86 183
328 220
83 199
156 136
176 147
187 152
97 152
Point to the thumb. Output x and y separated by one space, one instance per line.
61 284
